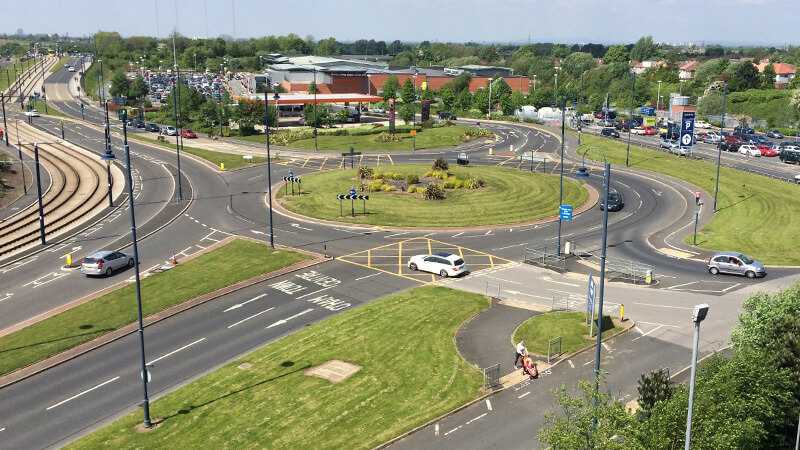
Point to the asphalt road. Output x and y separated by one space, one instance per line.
86 391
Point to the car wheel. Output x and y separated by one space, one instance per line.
130 262
713 271
750 274
413 267
108 272
443 273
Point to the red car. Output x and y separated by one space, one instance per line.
186 133
768 150
650 131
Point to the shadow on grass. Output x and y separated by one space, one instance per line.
188 409
743 199
83 327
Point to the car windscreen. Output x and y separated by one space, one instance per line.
458 262
90 260
746 259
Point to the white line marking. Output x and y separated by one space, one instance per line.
248 318
509 246
436 429
645 334
175 351
2 429
524 395
605 346
571 363
662 306
396 234
239 305
283 321
588 362
82 393
367 276
315 292
454 429
476 418
656 323
457 234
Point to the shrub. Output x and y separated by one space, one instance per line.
474 183
453 183
434 192
427 124
387 188
440 164
414 189
386 137
375 186
365 172
412 178
440 174
397 176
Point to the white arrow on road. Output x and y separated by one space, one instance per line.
527 295
297 225
283 321
259 232
239 305
658 193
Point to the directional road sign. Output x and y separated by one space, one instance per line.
565 213
687 129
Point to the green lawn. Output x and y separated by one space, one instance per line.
7 78
537 331
39 105
757 215
510 196
410 373
427 138
236 261
231 161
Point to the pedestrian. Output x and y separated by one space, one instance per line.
521 352
529 367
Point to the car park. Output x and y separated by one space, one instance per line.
609 132
187 133
774 134
615 200
736 264
768 150
749 150
105 263
443 264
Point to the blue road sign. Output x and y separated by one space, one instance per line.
590 296
565 213
291 174
352 191
687 129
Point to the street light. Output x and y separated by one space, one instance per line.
698 315
534 82
269 166
316 107
599 340
561 176
719 144
108 156
630 119
489 112
658 96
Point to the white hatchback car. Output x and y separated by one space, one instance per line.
749 150
444 264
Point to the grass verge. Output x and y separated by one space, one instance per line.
510 196
233 262
39 105
746 203
410 373
570 326
231 161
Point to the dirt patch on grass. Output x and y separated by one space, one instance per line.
334 371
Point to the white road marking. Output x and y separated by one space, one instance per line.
250 317
488 404
656 323
524 395
571 364
259 232
488 233
7 296
2 429
436 429
457 234
645 334
476 418
297 225
605 346
663 306
588 362
315 292
283 321
175 351
396 235
239 305
509 246
367 276
528 295
454 429
82 393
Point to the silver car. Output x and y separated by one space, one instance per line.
105 263
736 264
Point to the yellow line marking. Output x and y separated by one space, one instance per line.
369 257
380 270
306 161
433 278
491 261
400 258
460 252
430 252
323 163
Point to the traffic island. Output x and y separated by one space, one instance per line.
419 196
411 372
561 332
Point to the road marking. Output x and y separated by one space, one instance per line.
396 235
605 346
476 418
527 295
239 305
367 276
259 232
571 363
488 404
2 429
645 334
454 429
297 225
509 246
250 317
658 193
457 234
283 321
663 306
656 323
175 351
524 395
7 296
588 362
82 393
314 292
436 429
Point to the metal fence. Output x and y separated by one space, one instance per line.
491 376
554 349
545 256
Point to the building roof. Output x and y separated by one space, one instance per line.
779 68
305 98
690 66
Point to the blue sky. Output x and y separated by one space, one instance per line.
727 21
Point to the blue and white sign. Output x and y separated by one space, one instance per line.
565 213
352 191
687 129
590 296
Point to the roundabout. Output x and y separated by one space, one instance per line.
473 197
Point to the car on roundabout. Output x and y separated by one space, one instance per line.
735 263
442 264
32 113
105 262
615 201
462 159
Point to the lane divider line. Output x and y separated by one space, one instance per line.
175 351
250 317
82 393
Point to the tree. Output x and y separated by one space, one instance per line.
768 77
120 85
312 88
464 100
577 63
480 100
390 87
209 115
249 113
616 54
644 49
322 114
744 76
327 47
448 97
653 388
408 93
138 89
407 113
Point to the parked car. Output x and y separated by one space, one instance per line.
610 132
138 123
650 130
32 113
736 264
797 179
676 149
667 144
187 133
105 263
447 115
702 124
638 130
444 264
790 154
749 150
768 150
615 200
774 134
712 137
730 143
377 111
743 130
169 130
152 127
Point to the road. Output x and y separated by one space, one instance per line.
55 406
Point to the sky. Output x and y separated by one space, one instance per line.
772 22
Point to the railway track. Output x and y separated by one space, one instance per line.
78 189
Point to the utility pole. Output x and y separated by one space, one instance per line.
721 141
21 162
176 103
561 177
606 184
39 194
630 120
269 164
5 123
316 107
110 152
698 315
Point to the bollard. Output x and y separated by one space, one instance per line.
648 277
68 262
621 312
222 166
512 148
568 248
174 260
491 151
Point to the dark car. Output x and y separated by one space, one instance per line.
774 134
152 127
447 115
615 201
743 130
610 132
138 123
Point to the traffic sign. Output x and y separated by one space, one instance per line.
149 375
413 133
565 213
590 295
352 191
687 129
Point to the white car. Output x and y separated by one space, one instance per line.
32 113
676 149
797 179
444 264
170 130
702 125
71 69
749 150
637 130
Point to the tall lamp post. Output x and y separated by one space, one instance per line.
144 373
630 119
698 315
269 165
316 107
176 106
489 111
721 140
658 96
606 184
561 176
110 152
